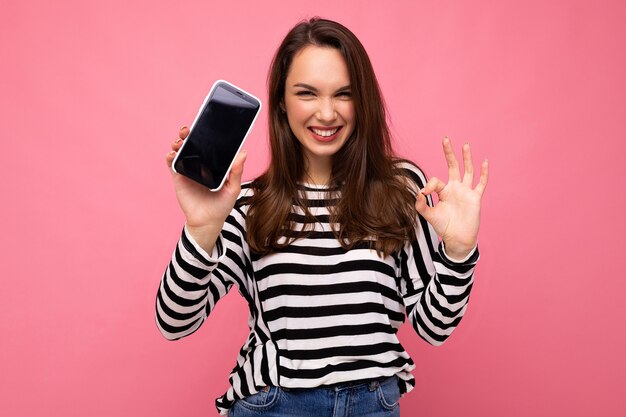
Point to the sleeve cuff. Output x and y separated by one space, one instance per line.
200 254
470 259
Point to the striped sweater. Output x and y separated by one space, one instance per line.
319 314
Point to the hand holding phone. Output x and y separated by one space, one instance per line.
205 210
206 205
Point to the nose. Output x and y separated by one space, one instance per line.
326 111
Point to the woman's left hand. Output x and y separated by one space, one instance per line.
456 217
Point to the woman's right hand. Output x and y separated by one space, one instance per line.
205 211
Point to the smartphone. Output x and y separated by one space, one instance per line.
217 134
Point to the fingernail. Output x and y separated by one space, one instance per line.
179 140
182 127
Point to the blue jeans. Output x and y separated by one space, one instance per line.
369 399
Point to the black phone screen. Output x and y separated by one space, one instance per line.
217 135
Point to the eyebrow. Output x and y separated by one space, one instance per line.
310 87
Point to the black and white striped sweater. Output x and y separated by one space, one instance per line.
319 314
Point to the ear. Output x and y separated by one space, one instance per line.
282 107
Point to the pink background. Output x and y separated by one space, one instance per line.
92 94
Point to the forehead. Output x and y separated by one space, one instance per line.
318 66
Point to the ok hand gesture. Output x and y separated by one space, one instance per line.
456 217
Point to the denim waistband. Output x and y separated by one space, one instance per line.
371 384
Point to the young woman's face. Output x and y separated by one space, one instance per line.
318 103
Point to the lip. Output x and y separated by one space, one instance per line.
325 138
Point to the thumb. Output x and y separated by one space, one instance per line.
422 207
237 169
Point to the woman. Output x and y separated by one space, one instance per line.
326 246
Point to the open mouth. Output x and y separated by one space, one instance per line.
325 134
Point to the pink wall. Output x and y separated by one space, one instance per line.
92 94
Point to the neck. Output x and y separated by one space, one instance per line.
318 171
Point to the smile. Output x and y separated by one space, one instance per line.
325 134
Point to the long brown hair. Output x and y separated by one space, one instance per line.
375 203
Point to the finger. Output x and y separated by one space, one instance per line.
433 185
422 207
169 158
468 177
484 175
453 165
177 144
183 132
237 169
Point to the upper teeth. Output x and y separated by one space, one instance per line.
325 133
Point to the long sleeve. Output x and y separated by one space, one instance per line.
189 290
435 288
194 281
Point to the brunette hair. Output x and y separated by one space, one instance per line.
375 204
